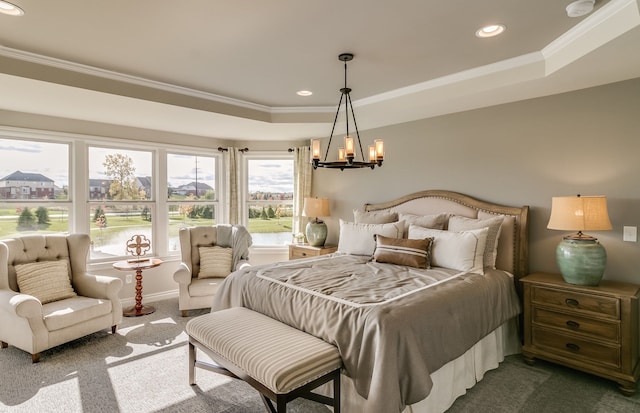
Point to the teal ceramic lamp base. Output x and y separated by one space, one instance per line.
581 260
316 232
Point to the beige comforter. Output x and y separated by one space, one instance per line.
393 325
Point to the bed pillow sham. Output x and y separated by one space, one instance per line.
462 251
410 252
435 221
374 217
358 239
459 223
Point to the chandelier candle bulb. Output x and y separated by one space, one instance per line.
348 145
315 149
372 154
379 149
341 157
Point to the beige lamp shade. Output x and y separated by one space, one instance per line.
316 207
579 213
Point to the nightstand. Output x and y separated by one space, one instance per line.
306 251
592 329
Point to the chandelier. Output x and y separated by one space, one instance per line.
347 153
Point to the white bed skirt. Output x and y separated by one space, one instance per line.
454 378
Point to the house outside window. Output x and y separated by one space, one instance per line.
34 187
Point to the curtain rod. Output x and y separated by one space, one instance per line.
243 150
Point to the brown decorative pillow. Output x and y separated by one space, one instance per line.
411 252
46 280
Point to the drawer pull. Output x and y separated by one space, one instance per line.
573 347
573 324
572 302
304 254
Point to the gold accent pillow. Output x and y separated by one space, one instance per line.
411 252
215 262
46 280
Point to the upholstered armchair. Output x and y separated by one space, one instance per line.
209 254
47 298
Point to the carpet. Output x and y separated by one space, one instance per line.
143 369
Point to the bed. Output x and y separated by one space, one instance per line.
412 339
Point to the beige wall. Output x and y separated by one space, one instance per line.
523 153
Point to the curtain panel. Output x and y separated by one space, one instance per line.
302 177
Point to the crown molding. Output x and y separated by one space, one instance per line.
121 77
612 20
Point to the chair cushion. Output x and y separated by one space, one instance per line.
204 287
46 280
64 313
279 356
215 261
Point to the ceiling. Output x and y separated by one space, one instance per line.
231 69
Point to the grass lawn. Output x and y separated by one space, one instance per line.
8 225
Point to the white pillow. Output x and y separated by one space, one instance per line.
462 251
358 239
215 262
374 217
459 223
46 280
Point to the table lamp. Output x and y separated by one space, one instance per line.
316 230
581 257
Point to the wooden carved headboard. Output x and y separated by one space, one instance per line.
513 245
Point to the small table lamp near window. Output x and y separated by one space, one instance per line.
581 257
316 231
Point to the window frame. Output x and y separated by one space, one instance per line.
47 138
218 188
244 187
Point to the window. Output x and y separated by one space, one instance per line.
34 187
192 198
269 198
120 199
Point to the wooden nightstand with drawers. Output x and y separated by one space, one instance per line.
306 251
592 329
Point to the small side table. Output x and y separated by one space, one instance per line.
306 251
138 266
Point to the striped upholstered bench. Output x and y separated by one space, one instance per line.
279 361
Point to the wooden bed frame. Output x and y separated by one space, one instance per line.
513 250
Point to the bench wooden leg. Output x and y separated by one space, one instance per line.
35 358
192 364
268 404
114 329
336 393
282 403
3 344
183 313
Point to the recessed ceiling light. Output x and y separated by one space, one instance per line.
10 9
491 30
304 93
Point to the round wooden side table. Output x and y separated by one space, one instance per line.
138 265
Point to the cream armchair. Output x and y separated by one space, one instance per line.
38 262
196 291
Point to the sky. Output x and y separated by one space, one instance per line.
52 161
